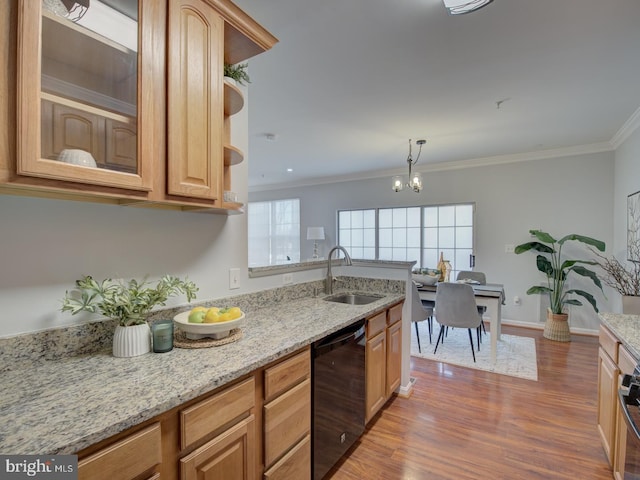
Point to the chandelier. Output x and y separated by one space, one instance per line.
415 178
458 7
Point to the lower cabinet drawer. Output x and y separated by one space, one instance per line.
295 465
212 413
286 374
127 458
287 419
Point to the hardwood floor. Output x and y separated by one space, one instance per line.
461 423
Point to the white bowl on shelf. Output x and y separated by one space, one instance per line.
77 157
195 331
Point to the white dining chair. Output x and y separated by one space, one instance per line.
456 307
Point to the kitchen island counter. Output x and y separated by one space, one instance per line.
61 406
626 328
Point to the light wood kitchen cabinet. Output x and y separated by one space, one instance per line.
229 456
257 427
614 360
394 348
195 100
135 455
607 401
375 365
287 418
383 356
70 79
153 112
626 364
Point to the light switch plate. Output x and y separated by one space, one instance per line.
234 278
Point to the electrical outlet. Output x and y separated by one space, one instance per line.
234 278
509 248
287 279
517 301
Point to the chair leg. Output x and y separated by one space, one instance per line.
418 336
440 337
471 341
430 325
479 335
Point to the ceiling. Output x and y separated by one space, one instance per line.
351 81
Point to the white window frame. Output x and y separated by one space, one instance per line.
390 244
273 236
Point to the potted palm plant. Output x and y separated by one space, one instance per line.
128 303
624 277
558 269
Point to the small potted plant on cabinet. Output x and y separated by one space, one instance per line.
624 277
557 269
237 72
128 303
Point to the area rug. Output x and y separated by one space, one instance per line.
516 356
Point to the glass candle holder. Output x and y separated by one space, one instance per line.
162 333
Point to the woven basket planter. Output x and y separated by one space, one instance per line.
557 327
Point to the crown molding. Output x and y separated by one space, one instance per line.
446 166
626 130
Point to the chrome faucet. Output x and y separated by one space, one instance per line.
328 283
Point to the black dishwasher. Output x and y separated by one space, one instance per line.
338 395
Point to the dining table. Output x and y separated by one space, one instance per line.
490 295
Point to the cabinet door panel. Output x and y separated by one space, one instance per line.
394 357
287 419
229 456
376 354
195 95
607 401
85 72
121 149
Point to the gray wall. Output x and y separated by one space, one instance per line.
560 195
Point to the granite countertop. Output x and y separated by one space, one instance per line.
626 328
63 405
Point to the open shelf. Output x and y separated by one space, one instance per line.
232 155
233 99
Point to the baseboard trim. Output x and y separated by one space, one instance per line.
540 326
405 390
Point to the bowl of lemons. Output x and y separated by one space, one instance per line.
212 322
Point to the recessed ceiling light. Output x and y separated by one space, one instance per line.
289 170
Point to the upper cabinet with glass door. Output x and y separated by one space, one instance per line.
79 89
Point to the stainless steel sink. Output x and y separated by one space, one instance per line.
353 298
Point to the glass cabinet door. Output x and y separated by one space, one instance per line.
78 86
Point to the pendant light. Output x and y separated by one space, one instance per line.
415 178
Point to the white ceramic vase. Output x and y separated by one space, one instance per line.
132 341
630 305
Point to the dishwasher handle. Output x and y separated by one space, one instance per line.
354 333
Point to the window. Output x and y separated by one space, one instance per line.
410 233
357 232
274 232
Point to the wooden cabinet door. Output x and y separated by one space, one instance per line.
195 100
71 128
121 146
376 374
295 465
394 357
607 401
619 456
229 456
83 71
